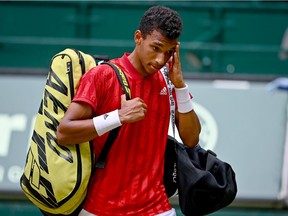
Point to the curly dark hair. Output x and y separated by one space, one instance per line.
162 19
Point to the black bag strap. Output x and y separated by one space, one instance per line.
100 163
122 79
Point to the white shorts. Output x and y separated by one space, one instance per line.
171 212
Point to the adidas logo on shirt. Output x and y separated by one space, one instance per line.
163 91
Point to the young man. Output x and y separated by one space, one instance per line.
132 181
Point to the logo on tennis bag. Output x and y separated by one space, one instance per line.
56 177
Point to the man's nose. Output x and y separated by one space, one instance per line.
160 59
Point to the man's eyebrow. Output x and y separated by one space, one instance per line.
158 43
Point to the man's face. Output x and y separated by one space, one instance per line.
153 51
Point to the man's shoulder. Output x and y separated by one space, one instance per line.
119 62
102 69
100 73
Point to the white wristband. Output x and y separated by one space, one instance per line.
106 122
183 98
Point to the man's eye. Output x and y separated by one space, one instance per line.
155 48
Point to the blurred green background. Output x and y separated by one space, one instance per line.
23 208
228 37
221 39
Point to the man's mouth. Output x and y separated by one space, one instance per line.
156 67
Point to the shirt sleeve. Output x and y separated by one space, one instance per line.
93 85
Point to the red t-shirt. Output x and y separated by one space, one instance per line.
132 181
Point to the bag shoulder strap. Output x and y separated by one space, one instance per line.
100 163
165 70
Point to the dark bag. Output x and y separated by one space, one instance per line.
205 183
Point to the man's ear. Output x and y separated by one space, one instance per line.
138 37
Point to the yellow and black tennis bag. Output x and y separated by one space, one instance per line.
56 177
